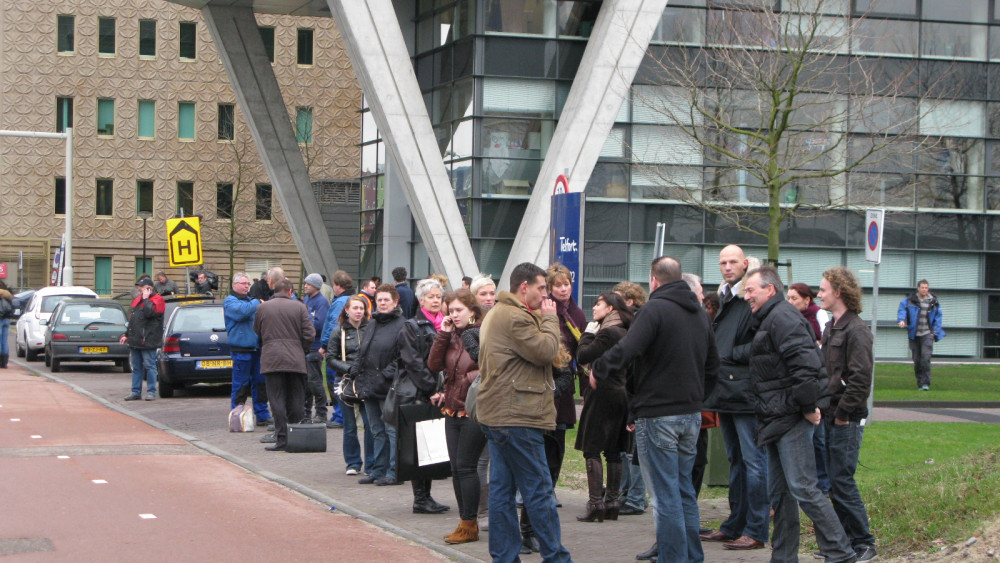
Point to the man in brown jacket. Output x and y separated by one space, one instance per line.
519 342
286 332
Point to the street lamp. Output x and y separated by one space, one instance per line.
144 215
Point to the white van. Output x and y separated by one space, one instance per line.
30 338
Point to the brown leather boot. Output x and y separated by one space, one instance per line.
612 494
467 531
595 488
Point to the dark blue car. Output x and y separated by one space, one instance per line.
195 348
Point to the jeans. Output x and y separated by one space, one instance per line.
843 444
315 392
287 391
352 448
248 381
380 465
143 367
791 472
517 463
667 446
4 333
465 443
633 487
819 451
921 349
748 506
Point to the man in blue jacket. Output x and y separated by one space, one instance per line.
244 347
920 314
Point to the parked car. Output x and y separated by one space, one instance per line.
86 330
20 300
30 335
195 347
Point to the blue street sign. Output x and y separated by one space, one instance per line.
566 237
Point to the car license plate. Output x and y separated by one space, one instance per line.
93 349
205 364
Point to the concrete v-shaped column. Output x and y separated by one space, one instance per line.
375 45
614 52
241 50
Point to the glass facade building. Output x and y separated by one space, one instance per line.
495 76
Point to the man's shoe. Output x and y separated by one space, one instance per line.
743 543
132 397
332 424
865 552
386 481
530 543
351 471
268 439
925 387
650 554
715 536
150 396
274 448
629 510
368 480
262 423
703 531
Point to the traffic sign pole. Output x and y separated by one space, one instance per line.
874 221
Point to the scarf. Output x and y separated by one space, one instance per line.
611 319
435 318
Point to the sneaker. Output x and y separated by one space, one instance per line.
925 387
865 552
150 396
351 471
132 397
268 439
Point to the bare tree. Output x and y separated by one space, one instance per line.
770 113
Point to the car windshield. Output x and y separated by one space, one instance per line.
87 314
49 303
198 319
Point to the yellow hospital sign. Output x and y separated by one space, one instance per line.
184 241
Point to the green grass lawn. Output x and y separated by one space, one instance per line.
920 481
895 382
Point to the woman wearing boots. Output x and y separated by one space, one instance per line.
605 409
6 312
456 353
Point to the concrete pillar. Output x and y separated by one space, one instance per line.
613 55
378 53
396 221
241 50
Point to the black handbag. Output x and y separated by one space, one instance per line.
346 389
408 467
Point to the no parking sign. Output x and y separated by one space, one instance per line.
873 235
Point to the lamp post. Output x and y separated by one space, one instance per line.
144 215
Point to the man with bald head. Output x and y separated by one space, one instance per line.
749 510
675 367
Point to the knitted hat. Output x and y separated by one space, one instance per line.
314 280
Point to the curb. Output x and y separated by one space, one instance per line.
313 494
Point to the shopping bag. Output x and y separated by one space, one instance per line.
432 446
407 466
241 419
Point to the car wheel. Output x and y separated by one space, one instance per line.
166 389
30 355
56 365
20 351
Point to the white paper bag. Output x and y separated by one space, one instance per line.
432 446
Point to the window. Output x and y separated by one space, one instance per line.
226 122
144 196
223 201
65 34
147 38
64 114
147 119
105 196
267 36
303 125
106 36
304 53
185 121
188 41
185 198
263 202
60 197
143 268
105 117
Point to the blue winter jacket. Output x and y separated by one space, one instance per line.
239 312
318 307
331 317
909 309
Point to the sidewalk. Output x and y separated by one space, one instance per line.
85 483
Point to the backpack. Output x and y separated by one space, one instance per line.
6 309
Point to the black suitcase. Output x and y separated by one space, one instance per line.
306 438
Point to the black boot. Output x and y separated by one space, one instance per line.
422 501
612 495
529 543
3 357
595 487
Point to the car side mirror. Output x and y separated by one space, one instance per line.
43 321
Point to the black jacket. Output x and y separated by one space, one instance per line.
733 335
847 348
786 369
673 347
145 323
375 366
415 341
352 345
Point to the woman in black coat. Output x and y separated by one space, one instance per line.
605 409
342 351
